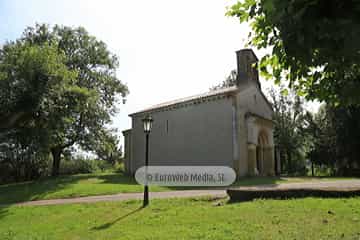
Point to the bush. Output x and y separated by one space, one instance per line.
19 163
83 165
119 167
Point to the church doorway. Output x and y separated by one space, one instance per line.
260 152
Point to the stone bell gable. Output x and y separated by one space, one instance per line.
247 68
225 127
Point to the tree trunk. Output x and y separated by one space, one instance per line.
282 161
312 169
289 162
275 161
56 154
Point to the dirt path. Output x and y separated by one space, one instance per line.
343 184
127 196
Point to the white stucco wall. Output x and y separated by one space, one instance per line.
251 99
204 133
199 134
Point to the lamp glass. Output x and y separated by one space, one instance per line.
147 121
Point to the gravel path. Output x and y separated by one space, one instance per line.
340 184
127 196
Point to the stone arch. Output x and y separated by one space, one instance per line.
261 147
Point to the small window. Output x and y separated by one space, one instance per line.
167 126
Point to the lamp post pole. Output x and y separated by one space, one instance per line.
146 188
147 121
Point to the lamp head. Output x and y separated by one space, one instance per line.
147 123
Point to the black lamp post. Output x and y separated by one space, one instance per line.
147 121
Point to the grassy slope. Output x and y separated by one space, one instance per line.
68 186
186 219
96 184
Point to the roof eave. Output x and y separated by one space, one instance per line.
184 103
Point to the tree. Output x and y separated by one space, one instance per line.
315 45
322 138
334 135
21 157
80 106
347 127
228 82
289 122
27 75
105 146
31 77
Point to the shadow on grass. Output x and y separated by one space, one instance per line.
39 189
252 181
244 181
118 178
43 188
3 212
109 224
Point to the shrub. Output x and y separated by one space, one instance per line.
22 163
119 167
80 165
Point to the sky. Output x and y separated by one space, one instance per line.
167 49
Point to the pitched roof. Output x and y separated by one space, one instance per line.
189 99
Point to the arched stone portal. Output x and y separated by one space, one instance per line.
261 153
260 147
262 142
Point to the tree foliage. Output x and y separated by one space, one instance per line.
29 74
315 45
322 139
106 146
65 80
347 127
21 157
289 122
229 81
334 135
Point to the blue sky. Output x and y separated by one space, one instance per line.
167 49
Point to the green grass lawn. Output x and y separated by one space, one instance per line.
198 218
99 184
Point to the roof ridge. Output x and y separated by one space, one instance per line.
187 99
